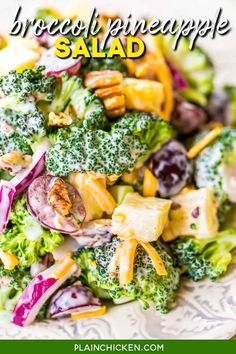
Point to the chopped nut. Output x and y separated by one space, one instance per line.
14 161
59 198
59 119
104 78
114 102
113 113
109 91
109 87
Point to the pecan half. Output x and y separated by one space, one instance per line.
114 102
103 78
59 198
15 161
118 112
109 91
59 119
109 87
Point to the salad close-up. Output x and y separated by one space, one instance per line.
118 177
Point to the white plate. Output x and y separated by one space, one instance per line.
204 310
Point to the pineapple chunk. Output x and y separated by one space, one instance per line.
140 218
92 208
192 213
17 58
135 90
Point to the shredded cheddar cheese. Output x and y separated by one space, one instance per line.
150 184
163 74
9 260
200 145
115 261
156 259
89 314
101 195
130 177
63 266
126 258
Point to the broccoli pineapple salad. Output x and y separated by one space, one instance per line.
117 178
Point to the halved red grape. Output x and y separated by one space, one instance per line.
172 168
187 117
39 206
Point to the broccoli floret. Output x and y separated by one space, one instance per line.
12 142
209 171
12 284
128 143
28 82
21 126
207 257
84 106
146 285
150 129
93 150
25 238
18 277
27 124
88 109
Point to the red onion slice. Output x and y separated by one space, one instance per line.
73 299
7 192
38 292
10 190
55 66
23 179
40 208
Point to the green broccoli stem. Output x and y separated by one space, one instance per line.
64 90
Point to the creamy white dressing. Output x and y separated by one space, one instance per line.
229 180
69 245
33 230
12 103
